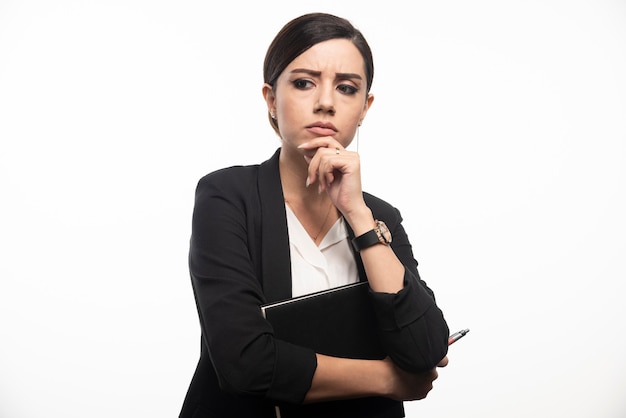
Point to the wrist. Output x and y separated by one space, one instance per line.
386 379
361 220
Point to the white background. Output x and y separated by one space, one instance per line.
504 120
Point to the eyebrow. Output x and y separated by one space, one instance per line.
318 73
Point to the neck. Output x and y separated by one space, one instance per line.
314 210
293 174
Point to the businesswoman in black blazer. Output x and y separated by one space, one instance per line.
299 223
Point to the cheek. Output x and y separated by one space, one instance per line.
356 116
289 110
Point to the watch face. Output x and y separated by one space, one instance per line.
384 232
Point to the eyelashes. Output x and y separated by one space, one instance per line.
347 89
302 84
305 84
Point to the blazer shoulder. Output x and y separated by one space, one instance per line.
229 178
239 177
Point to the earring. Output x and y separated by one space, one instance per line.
273 115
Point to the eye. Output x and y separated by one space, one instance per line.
302 84
347 89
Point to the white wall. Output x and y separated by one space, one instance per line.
507 120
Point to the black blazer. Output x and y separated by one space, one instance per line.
239 260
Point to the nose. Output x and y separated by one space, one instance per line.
325 102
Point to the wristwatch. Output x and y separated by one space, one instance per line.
378 235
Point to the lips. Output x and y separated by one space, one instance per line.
322 128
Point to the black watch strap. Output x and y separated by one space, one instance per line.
366 240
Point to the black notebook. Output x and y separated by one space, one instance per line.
338 322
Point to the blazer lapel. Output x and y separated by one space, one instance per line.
275 256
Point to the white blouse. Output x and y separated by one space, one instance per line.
316 268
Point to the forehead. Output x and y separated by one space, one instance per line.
335 56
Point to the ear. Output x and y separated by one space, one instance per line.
366 107
270 97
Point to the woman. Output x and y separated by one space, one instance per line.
284 228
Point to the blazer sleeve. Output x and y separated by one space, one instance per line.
228 293
413 329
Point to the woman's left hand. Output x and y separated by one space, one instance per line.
336 171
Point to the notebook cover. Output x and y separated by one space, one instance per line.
338 322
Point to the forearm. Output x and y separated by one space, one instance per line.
341 378
385 272
414 332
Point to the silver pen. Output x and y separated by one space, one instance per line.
457 336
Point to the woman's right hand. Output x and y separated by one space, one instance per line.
406 386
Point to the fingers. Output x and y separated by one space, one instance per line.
429 378
443 362
413 386
325 162
321 142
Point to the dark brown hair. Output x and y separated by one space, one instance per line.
301 34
